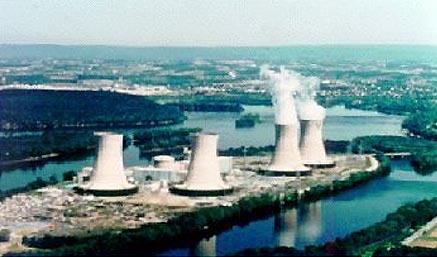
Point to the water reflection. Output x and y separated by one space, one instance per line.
310 221
297 227
286 228
206 247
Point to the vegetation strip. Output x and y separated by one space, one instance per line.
195 225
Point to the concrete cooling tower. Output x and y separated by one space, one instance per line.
286 160
203 177
312 149
108 177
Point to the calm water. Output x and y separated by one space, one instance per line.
341 124
313 223
324 220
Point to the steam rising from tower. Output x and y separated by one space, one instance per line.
203 177
311 117
108 178
286 159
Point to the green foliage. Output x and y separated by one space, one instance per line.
194 225
155 141
332 147
384 237
44 109
423 123
62 143
424 152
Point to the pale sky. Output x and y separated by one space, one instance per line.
219 22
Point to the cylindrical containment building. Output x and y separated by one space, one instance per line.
286 160
164 162
312 148
108 177
203 178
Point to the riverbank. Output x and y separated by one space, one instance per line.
424 237
184 217
380 239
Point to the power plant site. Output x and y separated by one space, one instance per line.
108 195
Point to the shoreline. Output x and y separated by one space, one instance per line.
212 219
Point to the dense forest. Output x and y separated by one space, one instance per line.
18 150
166 140
46 109
424 152
331 146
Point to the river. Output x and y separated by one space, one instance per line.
340 124
318 222
313 223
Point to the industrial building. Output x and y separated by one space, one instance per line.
107 177
203 178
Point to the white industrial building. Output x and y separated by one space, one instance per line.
203 177
107 177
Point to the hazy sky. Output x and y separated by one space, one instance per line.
219 22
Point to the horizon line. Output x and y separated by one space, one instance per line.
220 46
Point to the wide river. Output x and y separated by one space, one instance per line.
313 223
340 124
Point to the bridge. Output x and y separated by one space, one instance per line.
399 155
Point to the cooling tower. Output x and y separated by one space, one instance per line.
286 159
312 149
203 177
108 177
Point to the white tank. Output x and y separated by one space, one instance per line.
203 176
108 177
166 162
286 159
312 148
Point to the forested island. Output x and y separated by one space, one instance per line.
423 152
34 110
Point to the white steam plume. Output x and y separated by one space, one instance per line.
307 107
284 86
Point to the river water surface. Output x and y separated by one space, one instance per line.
340 124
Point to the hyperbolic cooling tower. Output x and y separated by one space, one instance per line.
312 148
203 177
108 177
286 159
